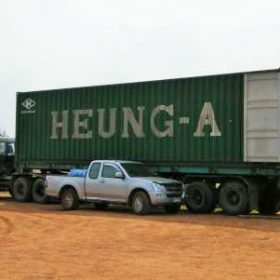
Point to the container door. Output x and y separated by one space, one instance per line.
261 117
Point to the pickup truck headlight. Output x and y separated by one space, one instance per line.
158 187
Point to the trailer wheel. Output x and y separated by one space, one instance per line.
140 203
200 198
38 191
101 205
69 199
172 208
233 198
22 189
269 203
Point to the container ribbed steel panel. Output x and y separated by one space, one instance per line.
195 120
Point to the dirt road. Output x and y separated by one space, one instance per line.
43 242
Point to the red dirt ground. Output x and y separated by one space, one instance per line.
44 242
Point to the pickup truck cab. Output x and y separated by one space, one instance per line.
107 182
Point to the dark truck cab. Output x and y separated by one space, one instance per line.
7 156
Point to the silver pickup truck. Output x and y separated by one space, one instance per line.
124 182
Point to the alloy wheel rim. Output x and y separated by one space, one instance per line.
138 205
68 200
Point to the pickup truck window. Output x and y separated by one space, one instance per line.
137 170
94 170
109 171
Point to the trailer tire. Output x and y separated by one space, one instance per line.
140 203
172 208
269 203
69 199
101 205
200 198
233 198
38 191
22 189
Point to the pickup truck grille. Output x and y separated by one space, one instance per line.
173 189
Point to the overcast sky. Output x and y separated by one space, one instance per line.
65 43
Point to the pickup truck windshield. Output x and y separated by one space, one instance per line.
137 170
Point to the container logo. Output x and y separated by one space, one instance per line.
28 104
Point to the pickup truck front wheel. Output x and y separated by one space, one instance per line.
140 203
69 199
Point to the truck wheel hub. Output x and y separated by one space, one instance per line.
68 200
197 197
233 198
20 190
138 205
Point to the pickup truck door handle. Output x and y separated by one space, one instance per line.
102 181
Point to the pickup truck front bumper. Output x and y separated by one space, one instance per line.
160 198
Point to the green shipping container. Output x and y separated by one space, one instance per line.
188 122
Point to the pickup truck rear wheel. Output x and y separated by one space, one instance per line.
38 191
140 203
69 199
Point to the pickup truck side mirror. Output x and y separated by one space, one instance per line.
119 175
